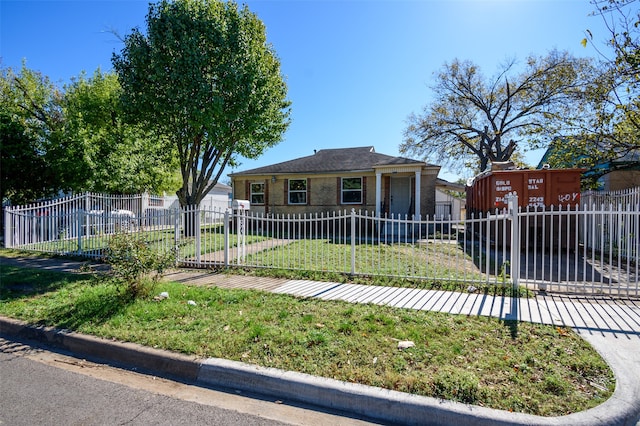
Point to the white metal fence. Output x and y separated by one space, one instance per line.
592 249
624 197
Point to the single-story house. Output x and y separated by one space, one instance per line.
450 200
218 198
340 179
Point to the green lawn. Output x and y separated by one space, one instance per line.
513 366
436 263
434 260
212 240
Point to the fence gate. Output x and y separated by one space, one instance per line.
587 250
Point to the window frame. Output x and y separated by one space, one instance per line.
297 191
252 193
343 190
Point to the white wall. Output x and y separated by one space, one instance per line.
218 198
456 203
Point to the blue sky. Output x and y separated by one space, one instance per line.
355 69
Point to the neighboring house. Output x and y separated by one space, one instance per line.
219 198
610 175
450 200
340 179
623 173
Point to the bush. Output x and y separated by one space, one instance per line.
135 265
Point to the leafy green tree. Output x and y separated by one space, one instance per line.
20 153
622 19
204 77
75 139
118 157
612 130
32 164
474 120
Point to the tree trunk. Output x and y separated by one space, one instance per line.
484 162
190 221
189 207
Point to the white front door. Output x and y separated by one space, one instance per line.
400 196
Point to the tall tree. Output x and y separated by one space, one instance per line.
204 77
31 119
118 157
473 120
607 135
613 131
19 153
75 139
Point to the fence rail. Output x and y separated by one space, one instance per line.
593 249
623 197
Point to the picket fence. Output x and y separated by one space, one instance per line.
592 249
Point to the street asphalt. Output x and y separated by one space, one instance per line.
611 326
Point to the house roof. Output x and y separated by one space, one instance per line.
627 159
219 186
334 160
452 186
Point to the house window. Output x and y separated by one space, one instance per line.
351 191
257 193
297 191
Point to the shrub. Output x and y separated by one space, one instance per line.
135 265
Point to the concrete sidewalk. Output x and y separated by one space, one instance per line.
611 326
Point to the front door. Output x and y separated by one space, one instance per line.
400 195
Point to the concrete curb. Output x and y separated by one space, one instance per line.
124 353
623 408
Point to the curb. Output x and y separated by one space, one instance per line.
370 402
124 353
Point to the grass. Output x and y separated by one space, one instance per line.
428 261
300 274
519 367
212 241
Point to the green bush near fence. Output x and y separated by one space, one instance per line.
135 265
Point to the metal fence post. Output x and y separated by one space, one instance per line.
227 223
512 205
198 235
176 232
353 241
81 219
241 217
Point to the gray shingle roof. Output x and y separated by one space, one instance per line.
333 160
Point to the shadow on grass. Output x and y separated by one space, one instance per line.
18 282
95 303
93 306
511 319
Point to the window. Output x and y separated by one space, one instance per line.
297 191
351 191
257 193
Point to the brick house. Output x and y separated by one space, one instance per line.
340 179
